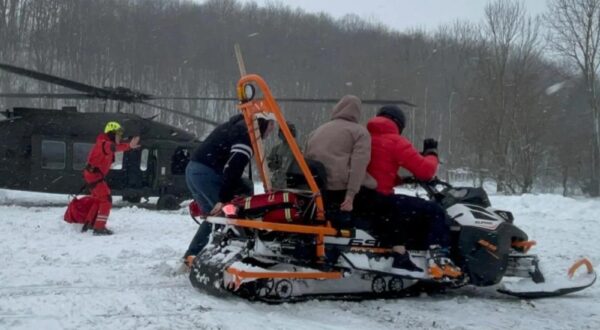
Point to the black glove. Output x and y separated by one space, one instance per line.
429 147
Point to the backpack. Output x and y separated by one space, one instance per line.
78 209
296 180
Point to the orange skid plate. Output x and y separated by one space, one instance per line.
241 274
288 228
577 264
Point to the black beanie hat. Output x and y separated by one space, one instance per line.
394 113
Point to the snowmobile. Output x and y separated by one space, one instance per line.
279 246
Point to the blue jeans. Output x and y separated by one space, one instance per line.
205 185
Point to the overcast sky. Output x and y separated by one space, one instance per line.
403 14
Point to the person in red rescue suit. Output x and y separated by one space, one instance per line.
100 158
411 218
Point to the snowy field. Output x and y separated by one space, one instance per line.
54 277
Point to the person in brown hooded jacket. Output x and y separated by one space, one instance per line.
343 145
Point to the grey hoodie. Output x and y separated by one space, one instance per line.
343 146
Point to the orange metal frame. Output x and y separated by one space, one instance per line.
283 227
267 104
239 275
295 275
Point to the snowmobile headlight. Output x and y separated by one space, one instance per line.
230 210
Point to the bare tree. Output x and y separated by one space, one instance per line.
511 46
480 94
575 26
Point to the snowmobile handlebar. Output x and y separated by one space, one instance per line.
433 182
429 186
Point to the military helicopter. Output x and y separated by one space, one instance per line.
45 150
39 152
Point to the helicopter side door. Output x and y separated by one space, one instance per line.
133 174
149 168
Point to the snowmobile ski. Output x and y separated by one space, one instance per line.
529 289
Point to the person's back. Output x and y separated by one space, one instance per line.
413 220
214 151
343 146
390 151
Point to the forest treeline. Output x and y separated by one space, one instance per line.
504 97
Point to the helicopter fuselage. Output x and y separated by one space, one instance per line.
45 150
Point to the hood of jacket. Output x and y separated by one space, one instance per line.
348 108
382 125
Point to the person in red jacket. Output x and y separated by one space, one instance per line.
100 158
412 220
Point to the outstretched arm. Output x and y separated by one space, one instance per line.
422 167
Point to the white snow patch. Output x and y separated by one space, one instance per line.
54 277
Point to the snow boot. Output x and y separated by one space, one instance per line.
102 232
440 264
86 227
402 264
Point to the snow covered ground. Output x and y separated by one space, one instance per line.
54 277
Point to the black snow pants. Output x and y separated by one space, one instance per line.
402 220
332 200
418 223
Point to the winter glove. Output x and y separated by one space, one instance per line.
430 147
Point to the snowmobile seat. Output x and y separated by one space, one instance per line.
296 180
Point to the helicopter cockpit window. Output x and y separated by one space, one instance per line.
53 155
118 163
80 154
144 160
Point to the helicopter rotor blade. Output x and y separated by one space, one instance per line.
194 98
181 113
122 94
45 95
130 96
284 99
95 91
326 100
